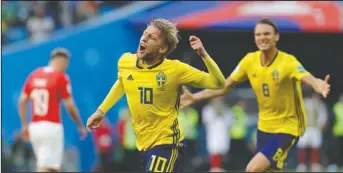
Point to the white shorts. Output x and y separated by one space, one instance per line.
311 138
218 142
48 143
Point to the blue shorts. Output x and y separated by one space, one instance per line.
275 147
163 158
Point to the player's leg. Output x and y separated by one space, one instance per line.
272 155
215 162
163 158
302 145
259 162
50 152
35 135
316 143
180 160
58 148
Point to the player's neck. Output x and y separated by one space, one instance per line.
268 56
150 61
54 66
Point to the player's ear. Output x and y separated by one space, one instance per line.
163 50
277 37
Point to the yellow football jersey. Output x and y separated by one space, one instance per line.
278 91
153 95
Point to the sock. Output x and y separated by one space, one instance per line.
302 156
315 156
215 161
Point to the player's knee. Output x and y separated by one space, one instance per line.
53 170
254 168
258 164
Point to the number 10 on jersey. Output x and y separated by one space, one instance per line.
145 95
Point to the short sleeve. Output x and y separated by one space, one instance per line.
239 74
65 86
297 70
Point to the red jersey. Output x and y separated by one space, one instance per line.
45 88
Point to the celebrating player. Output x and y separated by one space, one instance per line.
276 78
152 85
45 87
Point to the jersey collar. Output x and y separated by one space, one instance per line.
150 67
271 62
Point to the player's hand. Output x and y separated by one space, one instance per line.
25 133
83 133
95 120
186 98
197 46
323 86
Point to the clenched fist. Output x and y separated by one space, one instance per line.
197 46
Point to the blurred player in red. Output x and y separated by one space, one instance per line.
104 145
45 87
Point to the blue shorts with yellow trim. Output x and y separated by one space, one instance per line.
275 147
164 158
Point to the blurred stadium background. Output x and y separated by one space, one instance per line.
98 32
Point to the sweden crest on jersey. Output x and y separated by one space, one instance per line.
275 75
161 79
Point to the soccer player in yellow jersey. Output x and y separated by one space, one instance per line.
275 77
152 84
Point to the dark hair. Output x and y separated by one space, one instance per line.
270 23
62 52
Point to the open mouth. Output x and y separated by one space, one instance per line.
264 44
142 47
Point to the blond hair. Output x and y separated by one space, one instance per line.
169 32
60 52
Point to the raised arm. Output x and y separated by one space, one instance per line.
189 75
215 78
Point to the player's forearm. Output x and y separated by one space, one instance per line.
215 79
116 92
312 82
22 109
75 115
208 94
23 114
73 111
